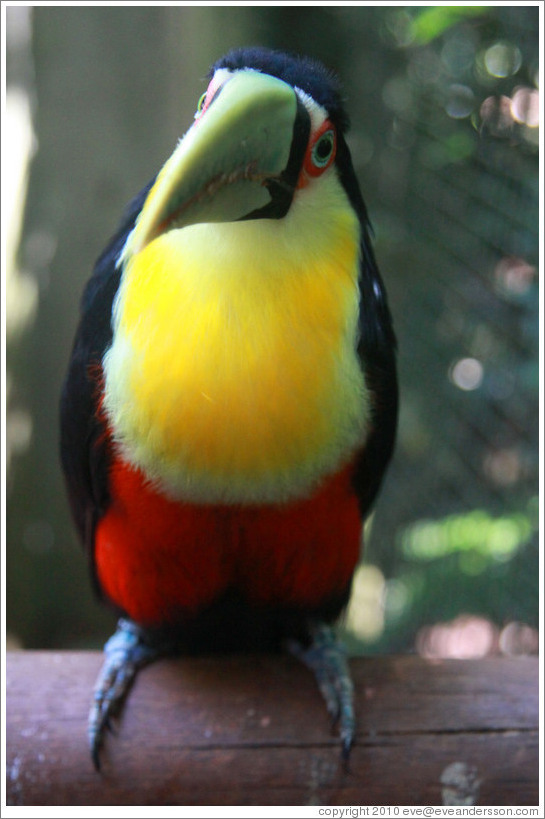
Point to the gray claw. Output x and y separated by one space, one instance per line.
125 652
326 658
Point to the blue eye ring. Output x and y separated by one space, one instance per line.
323 149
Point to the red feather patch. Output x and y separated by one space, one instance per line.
160 560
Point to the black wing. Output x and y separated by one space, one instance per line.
83 445
376 349
377 353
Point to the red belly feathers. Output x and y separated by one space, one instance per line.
160 560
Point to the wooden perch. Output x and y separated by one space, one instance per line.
254 731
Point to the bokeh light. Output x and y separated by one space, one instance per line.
460 102
469 637
467 374
525 106
503 466
466 638
514 275
495 538
365 614
518 639
502 59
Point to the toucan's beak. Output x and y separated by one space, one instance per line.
232 164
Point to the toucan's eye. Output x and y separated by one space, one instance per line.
323 149
320 153
200 104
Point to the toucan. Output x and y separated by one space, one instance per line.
230 404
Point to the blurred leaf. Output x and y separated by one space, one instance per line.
494 538
431 22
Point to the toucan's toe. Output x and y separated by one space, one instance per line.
125 652
326 658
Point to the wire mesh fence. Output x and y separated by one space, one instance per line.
444 108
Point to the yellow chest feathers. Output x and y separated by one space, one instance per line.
233 376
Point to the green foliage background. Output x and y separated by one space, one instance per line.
446 150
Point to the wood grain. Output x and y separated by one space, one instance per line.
253 730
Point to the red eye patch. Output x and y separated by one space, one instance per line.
320 153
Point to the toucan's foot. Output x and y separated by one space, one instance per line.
326 657
125 652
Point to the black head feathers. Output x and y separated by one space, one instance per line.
310 75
